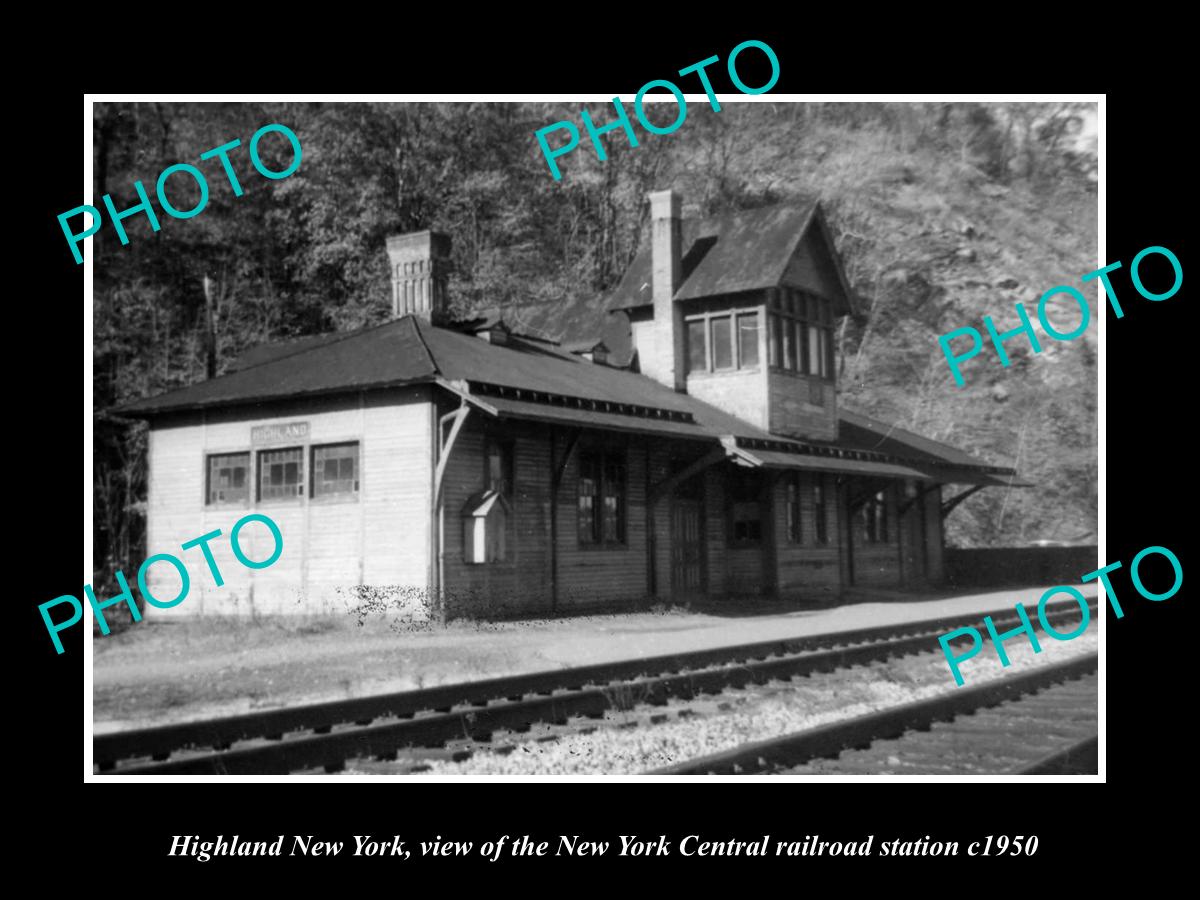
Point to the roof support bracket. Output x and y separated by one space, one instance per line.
668 484
949 505
462 390
457 418
561 467
873 487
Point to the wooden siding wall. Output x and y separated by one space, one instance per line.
745 566
912 556
329 546
522 580
935 537
877 565
811 269
603 575
720 557
791 396
382 539
808 571
898 563
660 469
588 576
792 410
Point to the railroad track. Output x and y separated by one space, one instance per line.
327 735
1041 722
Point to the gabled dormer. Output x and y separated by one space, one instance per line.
740 311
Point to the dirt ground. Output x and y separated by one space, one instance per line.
177 670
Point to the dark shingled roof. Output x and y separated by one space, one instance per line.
553 386
866 433
409 350
381 356
707 423
950 464
277 349
775 459
741 251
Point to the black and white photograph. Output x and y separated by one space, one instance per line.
517 439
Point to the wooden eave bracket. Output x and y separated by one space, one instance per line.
459 416
727 450
561 468
462 390
873 488
949 505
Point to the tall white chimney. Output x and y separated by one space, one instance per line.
666 260
420 271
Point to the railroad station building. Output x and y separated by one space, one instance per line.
471 470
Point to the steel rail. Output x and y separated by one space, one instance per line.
474 710
828 741
1081 758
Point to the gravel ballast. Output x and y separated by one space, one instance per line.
753 715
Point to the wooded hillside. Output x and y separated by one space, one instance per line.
942 213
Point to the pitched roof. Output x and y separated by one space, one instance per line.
530 380
277 349
516 375
775 459
726 254
380 356
950 464
871 434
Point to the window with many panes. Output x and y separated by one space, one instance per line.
873 517
745 508
800 334
280 473
794 531
335 470
820 510
601 496
228 478
722 342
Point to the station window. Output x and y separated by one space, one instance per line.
697 346
335 469
280 473
747 325
722 342
874 519
820 510
794 530
601 497
801 334
228 478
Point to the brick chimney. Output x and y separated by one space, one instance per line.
420 269
666 259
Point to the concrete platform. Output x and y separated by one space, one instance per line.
641 635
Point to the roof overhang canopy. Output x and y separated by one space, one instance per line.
776 459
